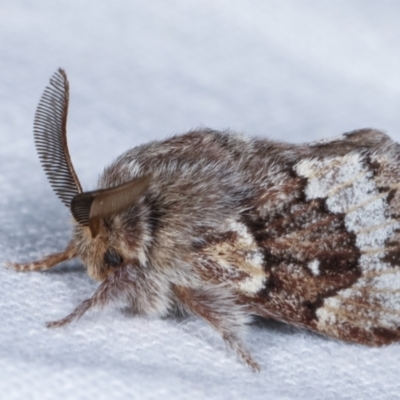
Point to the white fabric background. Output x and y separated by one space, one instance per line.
141 70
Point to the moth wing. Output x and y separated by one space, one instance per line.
342 263
319 246
362 185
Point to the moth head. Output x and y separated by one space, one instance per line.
93 211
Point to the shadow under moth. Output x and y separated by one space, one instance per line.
223 227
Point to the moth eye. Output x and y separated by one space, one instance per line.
112 258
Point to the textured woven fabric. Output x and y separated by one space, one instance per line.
140 71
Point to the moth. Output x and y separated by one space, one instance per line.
225 227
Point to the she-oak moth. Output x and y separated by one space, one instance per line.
224 227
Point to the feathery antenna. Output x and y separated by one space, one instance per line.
50 133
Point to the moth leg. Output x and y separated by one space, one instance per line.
126 284
108 290
46 262
219 308
77 313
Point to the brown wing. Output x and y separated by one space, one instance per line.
50 132
320 246
333 257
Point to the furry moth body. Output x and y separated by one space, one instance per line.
225 227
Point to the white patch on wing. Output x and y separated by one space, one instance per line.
242 231
326 314
254 257
314 267
243 255
252 285
349 187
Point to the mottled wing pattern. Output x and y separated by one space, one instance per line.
333 257
362 186
319 248
232 257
